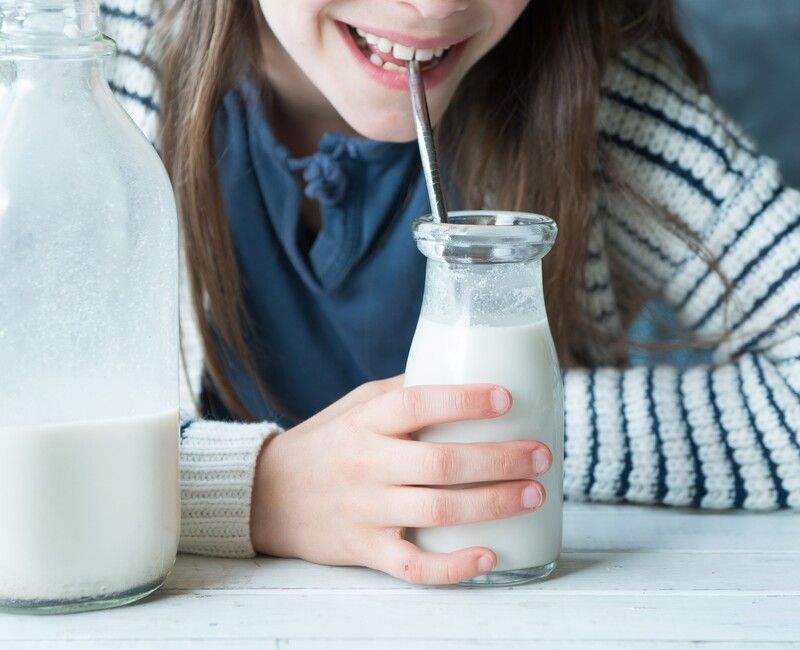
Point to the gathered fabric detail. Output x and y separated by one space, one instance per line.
323 173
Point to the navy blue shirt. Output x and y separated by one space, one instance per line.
330 310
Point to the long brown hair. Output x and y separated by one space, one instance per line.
521 134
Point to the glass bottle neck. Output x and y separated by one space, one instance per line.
502 294
51 29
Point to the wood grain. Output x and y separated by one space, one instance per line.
630 577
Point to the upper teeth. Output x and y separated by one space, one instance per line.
398 50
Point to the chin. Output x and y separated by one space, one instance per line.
381 133
395 124
387 127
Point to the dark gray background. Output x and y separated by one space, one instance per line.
752 48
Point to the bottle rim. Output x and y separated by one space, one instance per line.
80 38
485 236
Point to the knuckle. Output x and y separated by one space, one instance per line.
412 403
504 463
438 511
461 401
452 574
441 465
498 504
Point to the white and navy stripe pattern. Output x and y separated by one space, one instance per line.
131 73
718 436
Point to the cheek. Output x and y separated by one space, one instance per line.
505 14
295 24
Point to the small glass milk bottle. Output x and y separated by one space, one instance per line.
89 498
483 320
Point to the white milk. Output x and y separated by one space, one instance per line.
521 358
87 510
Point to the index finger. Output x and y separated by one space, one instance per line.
403 411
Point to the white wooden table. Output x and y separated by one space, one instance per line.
630 577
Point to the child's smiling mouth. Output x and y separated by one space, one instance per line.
386 57
389 55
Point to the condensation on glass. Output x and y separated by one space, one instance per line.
89 498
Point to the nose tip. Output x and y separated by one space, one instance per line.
439 9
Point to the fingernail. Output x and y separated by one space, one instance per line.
531 497
541 461
500 400
485 563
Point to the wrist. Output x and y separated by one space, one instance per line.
263 496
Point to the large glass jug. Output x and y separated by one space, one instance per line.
89 497
483 320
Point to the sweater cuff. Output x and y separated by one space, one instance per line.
218 461
577 432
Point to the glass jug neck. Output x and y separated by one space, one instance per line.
51 29
493 295
484 267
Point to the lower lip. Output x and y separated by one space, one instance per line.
399 80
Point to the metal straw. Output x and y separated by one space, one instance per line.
427 150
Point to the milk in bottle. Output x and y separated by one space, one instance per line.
483 321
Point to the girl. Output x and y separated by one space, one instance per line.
286 129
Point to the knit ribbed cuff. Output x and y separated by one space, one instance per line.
218 461
578 432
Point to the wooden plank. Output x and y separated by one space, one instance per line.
671 576
468 644
577 572
596 527
149 644
479 615
398 644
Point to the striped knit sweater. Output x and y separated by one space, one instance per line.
717 436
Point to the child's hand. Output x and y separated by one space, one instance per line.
340 488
